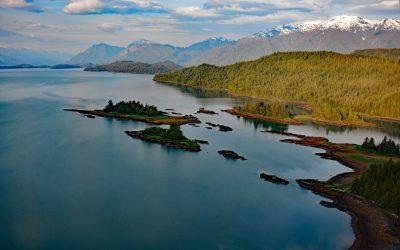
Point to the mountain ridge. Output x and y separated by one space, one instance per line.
340 34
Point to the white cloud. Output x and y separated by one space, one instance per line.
390 6
195 12
110 27
20 4
276 17
84 7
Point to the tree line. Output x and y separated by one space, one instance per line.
132 107
387 146
272 109
172 133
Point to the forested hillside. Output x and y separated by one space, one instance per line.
339 87
392 54
135 67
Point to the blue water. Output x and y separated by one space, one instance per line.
69 182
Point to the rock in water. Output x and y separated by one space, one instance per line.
273 179
231 155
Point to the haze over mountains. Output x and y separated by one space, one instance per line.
340 34
14 56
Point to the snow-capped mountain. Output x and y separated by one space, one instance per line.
140 42
337 23
277 30
341 33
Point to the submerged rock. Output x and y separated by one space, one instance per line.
90 116
221 127
231 155
201 141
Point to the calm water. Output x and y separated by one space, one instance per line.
70 182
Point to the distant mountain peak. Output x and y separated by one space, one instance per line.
277 30
140 42
219 38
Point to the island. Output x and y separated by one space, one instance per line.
206 111
136 111
221 127
231 155
338 88
369 194
29 66
172 136
274 179
135 67
267 111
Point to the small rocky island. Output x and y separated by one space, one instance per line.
221 127
273 179
136 111
206 111
172 136
231 155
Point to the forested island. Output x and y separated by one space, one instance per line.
136 111
135 67
172 136
338 88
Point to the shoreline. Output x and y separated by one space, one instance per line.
372 228
288 121
176 120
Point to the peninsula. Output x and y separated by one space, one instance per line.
358 193
337 88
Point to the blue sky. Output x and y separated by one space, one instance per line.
74 25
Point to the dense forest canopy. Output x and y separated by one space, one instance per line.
173 133
381 183
338 86
135 67
272 109
133 108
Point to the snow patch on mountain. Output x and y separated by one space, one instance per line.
340 23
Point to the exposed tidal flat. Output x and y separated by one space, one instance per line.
67 181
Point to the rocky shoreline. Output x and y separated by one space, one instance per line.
177 144
372 228
176 120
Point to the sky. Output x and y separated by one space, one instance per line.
73 25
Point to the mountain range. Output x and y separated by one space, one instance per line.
341 34
14 56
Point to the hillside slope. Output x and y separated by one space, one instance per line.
337 86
